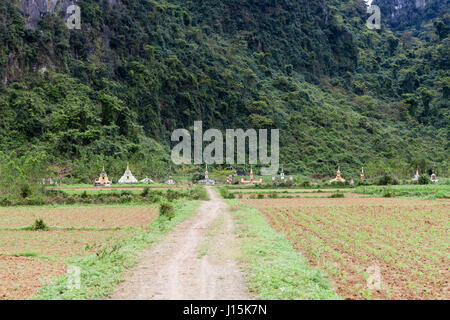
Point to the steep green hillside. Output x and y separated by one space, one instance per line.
408 15
340 93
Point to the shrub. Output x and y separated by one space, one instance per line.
226 194
155 197
260 196
388 193
166 209
172 195
39 224
71 199
387 179
360 182
199 193
145 192
36 199
25 190
423 179
7 200
125 198
306 184
337 195
273 195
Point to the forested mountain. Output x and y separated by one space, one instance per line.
341 94
412 14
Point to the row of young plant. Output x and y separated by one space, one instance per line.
226 194
43 196
441 191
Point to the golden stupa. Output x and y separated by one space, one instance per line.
103 180
252 179
338 177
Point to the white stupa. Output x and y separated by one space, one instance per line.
433 178
127 177
146 180
416 176
170 181
207 180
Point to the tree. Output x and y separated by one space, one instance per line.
411 101
426 95
442 29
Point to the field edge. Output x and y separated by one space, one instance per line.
273 269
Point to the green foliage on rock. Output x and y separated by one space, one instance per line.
341 94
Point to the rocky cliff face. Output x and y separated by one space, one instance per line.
398 7
34 9
403 13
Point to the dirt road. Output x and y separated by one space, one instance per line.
195 261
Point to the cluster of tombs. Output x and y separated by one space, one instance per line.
128 178
339 178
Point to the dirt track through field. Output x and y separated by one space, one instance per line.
195 261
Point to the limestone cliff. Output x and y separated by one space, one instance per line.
34 9
401 14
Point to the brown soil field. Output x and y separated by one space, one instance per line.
30 259
365 201
406 240
77 217
21 277
303 195
287 191
58 243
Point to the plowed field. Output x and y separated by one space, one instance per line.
371 248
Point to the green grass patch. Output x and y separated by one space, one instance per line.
274 270
110 196
225 193
429 191
337 195
26 254
100 272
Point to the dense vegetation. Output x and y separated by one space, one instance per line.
112 92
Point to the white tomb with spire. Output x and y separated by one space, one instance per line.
416 176
170 181
146 180
207 180
433 178
127 177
